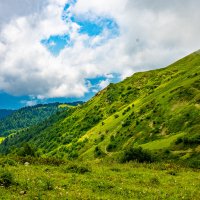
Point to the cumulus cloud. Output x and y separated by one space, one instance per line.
104 83
151 35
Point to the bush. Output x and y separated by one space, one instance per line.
189 140
73 154
7 161
6 178
98 152
48 184
45 183
116 116
126 123
111 146
194 140
26 150
126 110
136 154
79 169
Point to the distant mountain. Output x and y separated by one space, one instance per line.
158 110
28 116
4 113
76 103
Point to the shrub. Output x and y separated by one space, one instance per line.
155 181
7 161
73 154
189 140
98 152
179 140
102 137
26 150
126 123
111 146
137 123
116 116
129 87
45 183
79 169
126 110
112 138
172 172
195 139
137 154
48 184
6 178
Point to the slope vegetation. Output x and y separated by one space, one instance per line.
158 110
13 121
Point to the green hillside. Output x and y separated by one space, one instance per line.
28 116
158 110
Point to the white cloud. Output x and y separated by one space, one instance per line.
29 103
103 84
152 34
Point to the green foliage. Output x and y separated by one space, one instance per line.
189 140
111 146
7 161
126 110
137 154
26 150
150 109
116 116
26 117
43 183
100 180
6 178
98 152
77 168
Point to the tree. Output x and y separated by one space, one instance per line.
26 150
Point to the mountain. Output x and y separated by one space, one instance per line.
4 113
157 110
29 116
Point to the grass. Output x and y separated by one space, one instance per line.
1 139
102 181
162 143
149 109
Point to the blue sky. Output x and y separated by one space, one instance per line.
91 25
8 101
67 50
56 43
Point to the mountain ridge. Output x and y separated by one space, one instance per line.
5 112
159 105
30 115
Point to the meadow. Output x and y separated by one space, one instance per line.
97 180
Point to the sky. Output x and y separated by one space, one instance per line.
67 50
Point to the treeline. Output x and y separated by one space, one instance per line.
28 116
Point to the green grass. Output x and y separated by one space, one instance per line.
149 109
162 143
1 139
102 181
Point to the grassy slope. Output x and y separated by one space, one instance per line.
101 181
1 139
159 105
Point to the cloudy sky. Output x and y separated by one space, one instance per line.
65 50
